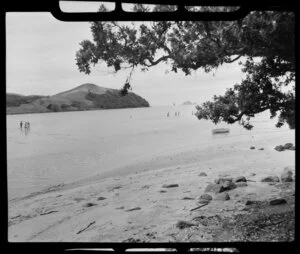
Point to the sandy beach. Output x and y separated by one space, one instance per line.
135 203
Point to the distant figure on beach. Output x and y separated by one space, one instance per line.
168 114
21 124
175 113
27 125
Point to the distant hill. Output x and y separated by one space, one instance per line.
84 97
15 100
188 103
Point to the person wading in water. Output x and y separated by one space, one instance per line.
21 124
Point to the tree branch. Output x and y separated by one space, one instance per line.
233 60
152 63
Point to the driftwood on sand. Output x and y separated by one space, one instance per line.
133 209
86 227
48 212
199 206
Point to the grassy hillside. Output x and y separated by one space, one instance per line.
83 97
112 99
15 100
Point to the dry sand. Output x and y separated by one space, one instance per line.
131 204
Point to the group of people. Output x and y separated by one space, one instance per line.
26 125
177 113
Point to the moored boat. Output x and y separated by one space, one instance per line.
220 130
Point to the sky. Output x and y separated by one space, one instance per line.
40 60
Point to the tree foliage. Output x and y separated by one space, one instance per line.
264 38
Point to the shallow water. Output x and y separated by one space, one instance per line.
68 146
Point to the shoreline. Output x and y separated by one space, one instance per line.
134 206
22 113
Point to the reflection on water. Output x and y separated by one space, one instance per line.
220 135
25 130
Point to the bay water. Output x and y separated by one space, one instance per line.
64 147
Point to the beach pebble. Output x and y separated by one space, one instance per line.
228 185
279 148
287 175
213 188
223 179
252 147
251 202
206 197
288 146
240 179
270 179
222 196
162 191
278 201
170 185
241 184
202 174
89 204
187 198
261 149
101 198
203 201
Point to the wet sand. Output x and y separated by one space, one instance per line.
131 204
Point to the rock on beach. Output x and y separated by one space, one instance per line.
228 185
223 179
269 179
287 175
239 179
278 201
213 187
222 196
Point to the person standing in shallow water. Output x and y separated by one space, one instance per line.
21 125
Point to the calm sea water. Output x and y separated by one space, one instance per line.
65 147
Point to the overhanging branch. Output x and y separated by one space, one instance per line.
152 63
233 60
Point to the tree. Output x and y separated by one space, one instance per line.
264 38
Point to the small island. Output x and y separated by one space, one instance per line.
189 103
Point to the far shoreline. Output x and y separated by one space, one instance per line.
24 113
